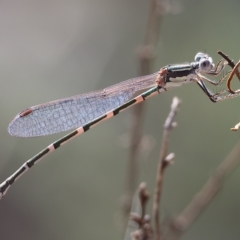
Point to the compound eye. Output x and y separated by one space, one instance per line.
205 65
199 56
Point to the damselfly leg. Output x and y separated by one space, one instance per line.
226 93
229 92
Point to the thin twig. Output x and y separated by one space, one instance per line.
175 228
146 59
143 197
164 161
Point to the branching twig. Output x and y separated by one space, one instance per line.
164 161
176 227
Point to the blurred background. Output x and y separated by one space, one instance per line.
55 49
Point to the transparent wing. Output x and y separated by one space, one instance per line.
73 112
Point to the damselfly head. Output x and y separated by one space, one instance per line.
205 62
200 56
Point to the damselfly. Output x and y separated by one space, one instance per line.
86 110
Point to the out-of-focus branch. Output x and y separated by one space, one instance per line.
144 231
145 62
174 228
164 161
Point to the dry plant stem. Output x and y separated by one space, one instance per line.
146 59
230 63
175 228
162 164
